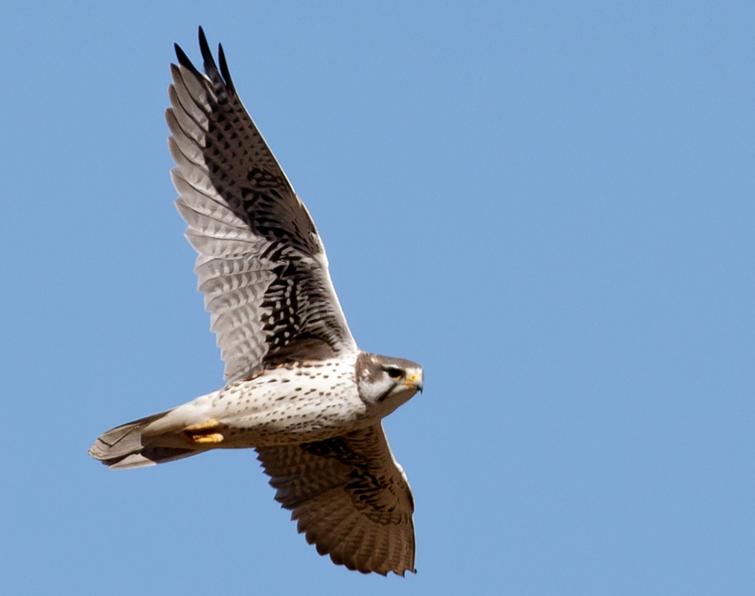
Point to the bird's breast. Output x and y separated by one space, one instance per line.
291 404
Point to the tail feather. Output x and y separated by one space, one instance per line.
149 456
122 447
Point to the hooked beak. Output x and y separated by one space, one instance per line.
414 380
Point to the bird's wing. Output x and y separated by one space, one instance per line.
350 497
261 264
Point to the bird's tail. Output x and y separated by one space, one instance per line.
122 446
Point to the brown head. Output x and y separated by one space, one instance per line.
385 383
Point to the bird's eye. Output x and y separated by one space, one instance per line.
394 372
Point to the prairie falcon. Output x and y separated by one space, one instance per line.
298 390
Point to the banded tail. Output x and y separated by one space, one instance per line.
125 447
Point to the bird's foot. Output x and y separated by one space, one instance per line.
201 432
211 438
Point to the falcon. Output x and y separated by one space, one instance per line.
298 390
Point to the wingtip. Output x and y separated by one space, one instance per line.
202 37
184 60
403 572
220 75
204 47
180 54
224 71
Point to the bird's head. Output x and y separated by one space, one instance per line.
385 383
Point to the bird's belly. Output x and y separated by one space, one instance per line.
265 413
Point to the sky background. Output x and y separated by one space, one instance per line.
550 205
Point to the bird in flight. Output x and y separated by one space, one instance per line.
298 390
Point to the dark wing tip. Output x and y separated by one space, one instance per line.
218 77
224 69
184 60
209 61
203 45
221 76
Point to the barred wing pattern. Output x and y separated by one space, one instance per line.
350 497
260 263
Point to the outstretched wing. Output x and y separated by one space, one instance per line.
350 497
261 264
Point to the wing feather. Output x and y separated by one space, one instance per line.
349 497
260 264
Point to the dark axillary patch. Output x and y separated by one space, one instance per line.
297 315
337 449
367 489
281 321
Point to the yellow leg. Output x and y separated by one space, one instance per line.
208 424
211 438
199 432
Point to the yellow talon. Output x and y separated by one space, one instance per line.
211 438
206 425
201 432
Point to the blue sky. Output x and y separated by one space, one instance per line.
549 205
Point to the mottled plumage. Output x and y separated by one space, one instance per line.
298 389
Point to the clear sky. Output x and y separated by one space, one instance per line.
550 205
